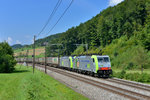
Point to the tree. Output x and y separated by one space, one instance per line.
7 61
79 50
141 57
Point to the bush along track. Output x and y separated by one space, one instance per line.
143 77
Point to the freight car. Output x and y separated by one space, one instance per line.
93 65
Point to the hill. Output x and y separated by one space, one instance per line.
40 42
122 32
16 46
129 18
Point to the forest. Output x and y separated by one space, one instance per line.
122 32
129 18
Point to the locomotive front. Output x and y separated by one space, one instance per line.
104 66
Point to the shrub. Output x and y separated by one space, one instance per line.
115 54
133 76
122 74
130 65
114 74
144 77
119 74
7 61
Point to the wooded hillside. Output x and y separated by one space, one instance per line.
129 18
122 32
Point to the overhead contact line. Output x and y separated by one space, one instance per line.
61 17
50 17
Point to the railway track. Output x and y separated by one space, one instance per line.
131 84
114 89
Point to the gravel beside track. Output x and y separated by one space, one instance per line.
119 87
131 83
88 90
111 88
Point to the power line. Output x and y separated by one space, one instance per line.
51 15
60 17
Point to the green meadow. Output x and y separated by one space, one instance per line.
24 85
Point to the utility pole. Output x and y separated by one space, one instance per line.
45 60
45 43
58 51
86 46
58 57
34 54
27 57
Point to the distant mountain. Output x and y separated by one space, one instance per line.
40 42
17 46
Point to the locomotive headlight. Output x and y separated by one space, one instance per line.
109 68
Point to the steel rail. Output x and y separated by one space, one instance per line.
128 83
105 86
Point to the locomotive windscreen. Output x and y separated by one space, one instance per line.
100 59
106 59
103 59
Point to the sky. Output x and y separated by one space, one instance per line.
20 20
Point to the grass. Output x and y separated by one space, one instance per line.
139 71
23 85
39 51
22 49
132 71
133 75
26 48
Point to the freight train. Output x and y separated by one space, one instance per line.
94 65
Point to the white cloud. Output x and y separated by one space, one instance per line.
18 42
9 40
114 2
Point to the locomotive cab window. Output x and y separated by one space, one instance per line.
103 59
106 59
100 59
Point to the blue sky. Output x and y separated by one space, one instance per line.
20 20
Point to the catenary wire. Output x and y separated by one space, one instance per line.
50 17
60 17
